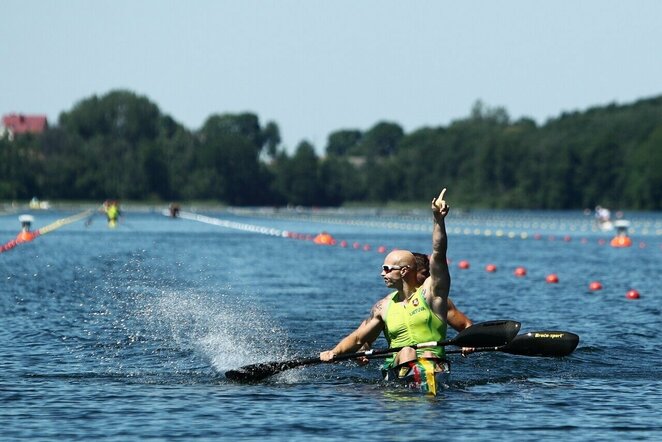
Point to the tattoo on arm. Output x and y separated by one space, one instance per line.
375 311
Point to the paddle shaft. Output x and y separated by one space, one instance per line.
538 343
484 334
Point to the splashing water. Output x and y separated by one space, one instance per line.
219 328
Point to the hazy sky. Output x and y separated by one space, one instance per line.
314 67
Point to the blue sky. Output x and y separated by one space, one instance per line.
314 67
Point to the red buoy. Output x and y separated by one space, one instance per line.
595 285
632 294
343 243
366 247
356 245
520 271
490 268
552 278
463 264
381 249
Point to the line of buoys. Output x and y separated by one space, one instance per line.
519 271
63 222
238 226
27 236
470 222
466 223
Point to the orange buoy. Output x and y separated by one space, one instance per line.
552 278
490 268
520 271
632 294
463 264
595 285
25 237
621 241
324 239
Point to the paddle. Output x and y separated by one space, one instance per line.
483 334
539 343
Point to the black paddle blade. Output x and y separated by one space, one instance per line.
543 343
261 371
487 334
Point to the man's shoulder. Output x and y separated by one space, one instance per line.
381 304
388 297
382 301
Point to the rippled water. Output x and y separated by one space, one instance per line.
125 334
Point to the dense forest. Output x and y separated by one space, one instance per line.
121 146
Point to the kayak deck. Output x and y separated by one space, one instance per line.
426 375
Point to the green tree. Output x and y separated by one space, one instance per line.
380 141
342 142
298 177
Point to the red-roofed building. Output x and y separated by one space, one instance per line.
17 124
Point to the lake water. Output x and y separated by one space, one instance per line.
124 334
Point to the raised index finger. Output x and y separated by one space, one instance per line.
441 195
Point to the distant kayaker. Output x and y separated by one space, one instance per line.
113 213
413 313
173 210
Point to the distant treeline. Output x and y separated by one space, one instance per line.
120 145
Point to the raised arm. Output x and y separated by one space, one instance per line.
440 278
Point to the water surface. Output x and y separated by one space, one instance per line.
124 334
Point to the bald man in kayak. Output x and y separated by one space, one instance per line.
413 313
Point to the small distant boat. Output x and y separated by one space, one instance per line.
606 226
36 204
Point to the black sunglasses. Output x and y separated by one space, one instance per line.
389 269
